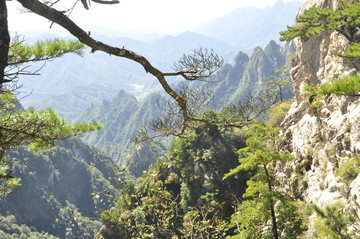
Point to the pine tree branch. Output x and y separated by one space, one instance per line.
60 18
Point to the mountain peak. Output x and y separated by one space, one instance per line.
279 3
241 57
272 45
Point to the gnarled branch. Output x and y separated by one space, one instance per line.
61 19
198 66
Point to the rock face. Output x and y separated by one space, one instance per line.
322 137
316 60
247 73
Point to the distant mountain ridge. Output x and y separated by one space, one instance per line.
246 28
67 187
71 75
247 73
97 87
124 115
63 78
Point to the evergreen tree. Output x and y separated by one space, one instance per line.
279 84
267 212
37 129
315 21
183 194
334 222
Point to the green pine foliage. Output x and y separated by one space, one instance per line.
352 51
315 21
21 53
9 182
279 84
188 193
37 129
333 222
278 112
348 86
349 170
264 203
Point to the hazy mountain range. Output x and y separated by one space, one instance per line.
124 114
246 28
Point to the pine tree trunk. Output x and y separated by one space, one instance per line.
4 41
272 209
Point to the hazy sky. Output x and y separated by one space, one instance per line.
151 16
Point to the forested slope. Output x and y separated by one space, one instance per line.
63 190
183 194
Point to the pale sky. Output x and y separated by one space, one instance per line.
150 16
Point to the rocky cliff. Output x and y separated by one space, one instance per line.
322 136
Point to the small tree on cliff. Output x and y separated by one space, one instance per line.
314 21
345 21
278 84
266 212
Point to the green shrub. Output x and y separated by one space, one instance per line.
349 170
352 51
333 222
278 112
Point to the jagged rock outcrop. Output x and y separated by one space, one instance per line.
245 76
322 137
141 156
